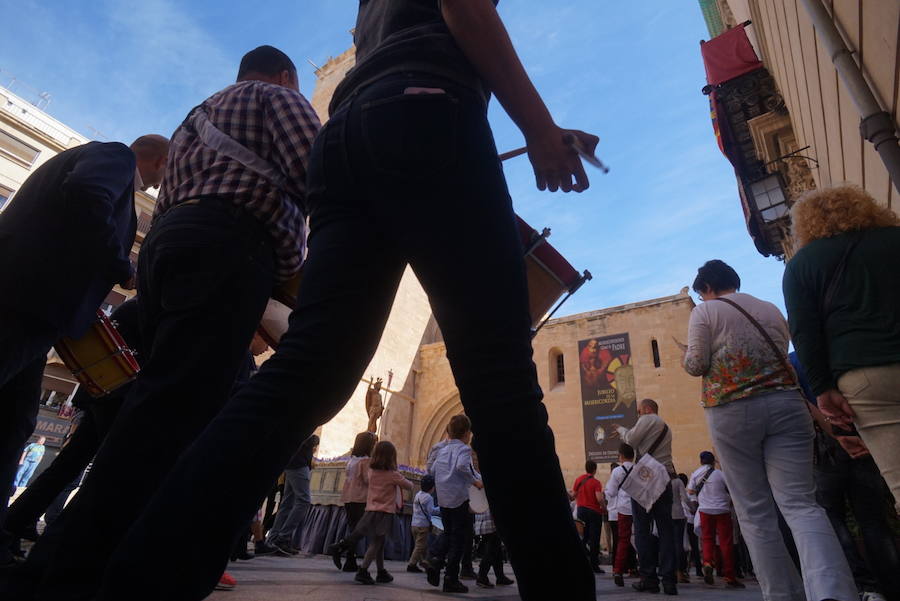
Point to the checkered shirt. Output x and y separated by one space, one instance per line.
484 523
276 123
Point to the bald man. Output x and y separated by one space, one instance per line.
65 241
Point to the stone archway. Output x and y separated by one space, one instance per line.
436 424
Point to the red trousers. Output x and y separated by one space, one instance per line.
718 524
620 565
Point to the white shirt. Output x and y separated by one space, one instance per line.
678 496
450 462
423 509
713 498
615 494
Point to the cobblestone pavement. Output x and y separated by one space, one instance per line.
316 579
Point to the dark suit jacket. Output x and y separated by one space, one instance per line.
66 236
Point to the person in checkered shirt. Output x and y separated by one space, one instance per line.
222 237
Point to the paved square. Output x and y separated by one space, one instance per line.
316 579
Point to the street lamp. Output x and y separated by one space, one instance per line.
769 197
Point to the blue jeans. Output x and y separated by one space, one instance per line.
656 551
23 475
205 274
765 445
394 180
294 506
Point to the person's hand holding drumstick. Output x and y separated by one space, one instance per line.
553 152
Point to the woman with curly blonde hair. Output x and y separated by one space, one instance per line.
842 292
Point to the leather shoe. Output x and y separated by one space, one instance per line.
643 587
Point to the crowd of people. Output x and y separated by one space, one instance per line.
408 150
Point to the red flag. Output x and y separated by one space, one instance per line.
728 56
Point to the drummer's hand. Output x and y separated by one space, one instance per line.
478 484
556 162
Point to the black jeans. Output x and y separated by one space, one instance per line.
492 556
452 543
24 343
394 179
205 275
859 482
655 551
66 467
593 525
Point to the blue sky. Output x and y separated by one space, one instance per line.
628 71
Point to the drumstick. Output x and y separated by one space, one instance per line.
514 153
588 157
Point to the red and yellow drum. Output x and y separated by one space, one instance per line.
100 360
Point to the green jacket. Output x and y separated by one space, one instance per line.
861 327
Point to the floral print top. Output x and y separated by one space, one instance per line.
734 359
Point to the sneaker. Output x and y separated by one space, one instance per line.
363 577
414 568
734 583
383 577
432 574
467 574
708 574
261 549
483 581
285 547
454 586
683 578
504 581
336 550
871 596
226 582
350 565
619 580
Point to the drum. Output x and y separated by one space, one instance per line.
478 502
550 275
100 360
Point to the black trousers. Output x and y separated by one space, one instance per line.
24 343
695 556
66 467
859 482
656 551
457 536
394 179
205 274
593 526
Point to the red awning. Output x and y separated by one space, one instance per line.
728 56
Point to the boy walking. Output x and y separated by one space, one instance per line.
423 509
450 463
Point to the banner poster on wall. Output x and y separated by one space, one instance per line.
607 393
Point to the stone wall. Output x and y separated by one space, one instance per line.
678 393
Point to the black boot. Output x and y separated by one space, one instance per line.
350 564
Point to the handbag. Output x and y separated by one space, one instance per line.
650 476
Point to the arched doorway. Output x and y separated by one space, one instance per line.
435 426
